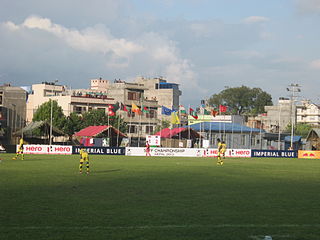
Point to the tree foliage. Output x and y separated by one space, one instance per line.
242 100
43 113
300 129
164 124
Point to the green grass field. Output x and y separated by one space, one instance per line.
44 197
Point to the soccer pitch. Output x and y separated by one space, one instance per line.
44 197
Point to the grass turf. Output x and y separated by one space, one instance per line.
44 197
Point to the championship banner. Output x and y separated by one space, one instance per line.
187 152
309 154
165 152
274 153
46 149
100 150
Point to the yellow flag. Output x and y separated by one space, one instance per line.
135 108
174 118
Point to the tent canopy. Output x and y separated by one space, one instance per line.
28 131
93 131
224 127
176 132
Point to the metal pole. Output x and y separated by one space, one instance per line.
51 113
279 133
50 135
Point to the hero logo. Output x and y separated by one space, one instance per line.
62 149
33 149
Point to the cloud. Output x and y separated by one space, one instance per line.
90 39
255 19
148 53
308 6
246 54
315 64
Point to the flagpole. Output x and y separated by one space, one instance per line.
188 123
109 126
118 128
130 126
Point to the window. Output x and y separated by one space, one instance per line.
132 129
78 109
243 140
0 99
134 95
149 129
253 140
151 114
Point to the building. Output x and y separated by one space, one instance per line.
167 94
147 94
12 112
77 100
276 118
139 124
309 113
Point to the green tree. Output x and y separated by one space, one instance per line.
73 124
300 129
242 100
164 124
43 113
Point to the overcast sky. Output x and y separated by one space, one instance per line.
204 45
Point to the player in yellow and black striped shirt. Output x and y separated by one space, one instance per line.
84 157
20 150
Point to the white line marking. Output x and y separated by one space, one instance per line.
167 226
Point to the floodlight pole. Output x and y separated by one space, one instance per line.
293 89
51 111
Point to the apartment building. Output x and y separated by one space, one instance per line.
12 112
309 113
70 100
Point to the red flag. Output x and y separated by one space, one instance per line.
222 108
123 107
111 113
193 113
214 113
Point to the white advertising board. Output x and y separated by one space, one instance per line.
187 152
47 149
213 152
173 152
153 140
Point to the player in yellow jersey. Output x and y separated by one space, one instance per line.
84 157
20 150
222 147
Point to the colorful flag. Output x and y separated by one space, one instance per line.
123 107
193 113
145 110
222 108
135 108
182 110
206 112
174 118
116 106
214 112
111 113
166 111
